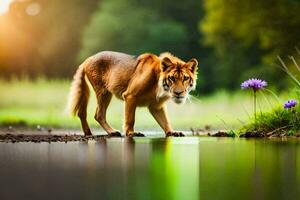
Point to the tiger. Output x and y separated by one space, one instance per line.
146 80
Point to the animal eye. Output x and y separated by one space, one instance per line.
185 78
172 78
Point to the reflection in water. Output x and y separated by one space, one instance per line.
252 169
151 168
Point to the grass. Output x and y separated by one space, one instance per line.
277 120
42 102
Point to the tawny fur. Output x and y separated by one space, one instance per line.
137 81
79 92
173 58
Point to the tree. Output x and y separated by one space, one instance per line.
124 25
250 34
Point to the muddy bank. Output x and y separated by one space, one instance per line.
48 138
267 135
39 134
249 134
42 134
205 132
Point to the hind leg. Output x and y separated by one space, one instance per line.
84 124
103 100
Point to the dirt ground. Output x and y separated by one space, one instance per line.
41 134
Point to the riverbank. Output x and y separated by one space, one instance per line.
42 134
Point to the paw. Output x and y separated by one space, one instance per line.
135 135
115 134
87 132
174 134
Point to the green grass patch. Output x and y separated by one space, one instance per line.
278 120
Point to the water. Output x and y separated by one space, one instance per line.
152 168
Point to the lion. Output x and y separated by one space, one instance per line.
147 80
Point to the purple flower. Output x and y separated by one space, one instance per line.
254 84
290 104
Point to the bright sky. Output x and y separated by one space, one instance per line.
4 5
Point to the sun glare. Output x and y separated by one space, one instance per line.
4 6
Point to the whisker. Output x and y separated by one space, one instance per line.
195 98
189 98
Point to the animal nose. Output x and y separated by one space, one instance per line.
178 93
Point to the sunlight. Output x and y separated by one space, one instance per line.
4 6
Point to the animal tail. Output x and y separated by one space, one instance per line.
79 93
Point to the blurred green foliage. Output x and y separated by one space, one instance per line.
248 35
233 40
126 26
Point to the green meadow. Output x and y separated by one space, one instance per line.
43 102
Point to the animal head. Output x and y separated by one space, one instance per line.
178 77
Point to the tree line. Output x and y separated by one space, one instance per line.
233 40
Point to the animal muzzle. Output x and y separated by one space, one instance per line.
179 96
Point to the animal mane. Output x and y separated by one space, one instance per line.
173 58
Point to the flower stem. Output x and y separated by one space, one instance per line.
295 120
254 103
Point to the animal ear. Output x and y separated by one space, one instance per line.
166 63
192 65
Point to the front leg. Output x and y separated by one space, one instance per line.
130 107
159 114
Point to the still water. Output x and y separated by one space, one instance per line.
152 168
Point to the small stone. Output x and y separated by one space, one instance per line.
38 127
207 127
220 134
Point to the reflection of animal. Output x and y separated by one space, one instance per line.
148 80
